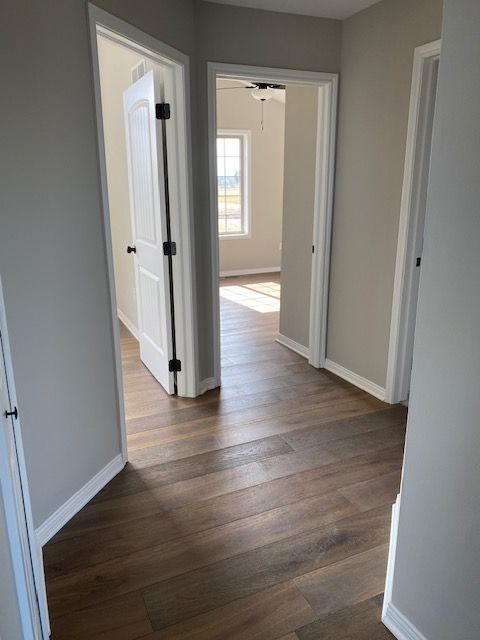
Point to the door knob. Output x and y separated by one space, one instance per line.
131 249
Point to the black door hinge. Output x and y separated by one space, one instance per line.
419 261
13 414
170 248
174 365
162 111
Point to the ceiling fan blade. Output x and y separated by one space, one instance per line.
231 88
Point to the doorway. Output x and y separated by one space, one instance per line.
141 92
412 221
247 137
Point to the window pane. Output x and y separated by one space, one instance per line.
232 147
233 199
220 166
231 212
222 227
234 225
232 167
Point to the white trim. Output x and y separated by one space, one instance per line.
128 323
398 369
176 65
359 381
392 550
207 385
293 346
249 272
27 570
72 506
399 625
322 222
328 87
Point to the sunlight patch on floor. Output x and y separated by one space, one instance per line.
263 297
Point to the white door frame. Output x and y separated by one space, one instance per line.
176 64
324 176
402 322
26 557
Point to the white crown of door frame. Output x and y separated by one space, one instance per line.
323 207
397 372
179 149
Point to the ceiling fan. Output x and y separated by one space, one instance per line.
261 91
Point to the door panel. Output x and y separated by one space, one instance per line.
149 225
20 602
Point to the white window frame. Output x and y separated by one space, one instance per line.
246 136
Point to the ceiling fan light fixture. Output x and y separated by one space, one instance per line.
263 93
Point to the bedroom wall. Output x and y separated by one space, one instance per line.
301 118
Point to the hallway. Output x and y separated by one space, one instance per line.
261 511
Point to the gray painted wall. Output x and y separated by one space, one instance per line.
436 584
301 117
376 72
52 255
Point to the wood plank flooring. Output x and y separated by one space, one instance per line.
260 511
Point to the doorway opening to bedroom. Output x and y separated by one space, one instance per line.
269 139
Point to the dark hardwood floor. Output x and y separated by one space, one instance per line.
258 512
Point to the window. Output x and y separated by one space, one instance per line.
232 183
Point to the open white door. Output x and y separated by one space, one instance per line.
23 612
150 225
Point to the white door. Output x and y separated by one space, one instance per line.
148 208
10 624
19 603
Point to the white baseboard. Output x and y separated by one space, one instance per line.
63 514
368 386
207 384
128 323
248 272
399 625
294 346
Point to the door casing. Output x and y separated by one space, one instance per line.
327 84
177 75
411 225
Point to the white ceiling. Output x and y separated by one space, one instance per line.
339 9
